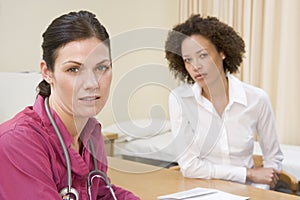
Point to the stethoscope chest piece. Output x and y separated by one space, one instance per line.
69 194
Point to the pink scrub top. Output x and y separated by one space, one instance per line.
32 163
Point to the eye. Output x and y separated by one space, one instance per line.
203 55
73 69
187 60
102 68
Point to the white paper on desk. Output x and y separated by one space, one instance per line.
202 194
188 193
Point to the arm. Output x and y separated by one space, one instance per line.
191 163
272 155
25 170
263 177
268 140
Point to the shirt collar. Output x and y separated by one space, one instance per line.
39 107
186 90
236 91
92 129
197 90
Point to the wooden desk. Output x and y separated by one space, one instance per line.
109 140
148 182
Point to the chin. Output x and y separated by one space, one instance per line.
87 112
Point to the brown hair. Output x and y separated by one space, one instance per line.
64 29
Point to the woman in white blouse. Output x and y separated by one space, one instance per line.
215 116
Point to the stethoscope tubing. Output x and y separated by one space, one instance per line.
67 158
95 173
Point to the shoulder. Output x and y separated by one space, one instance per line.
26 126
25 151
184 90
255 92
179 93
250 91
24 140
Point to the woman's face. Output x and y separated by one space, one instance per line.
81 79
202 60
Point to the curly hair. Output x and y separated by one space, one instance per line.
224 38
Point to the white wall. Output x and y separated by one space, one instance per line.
142 23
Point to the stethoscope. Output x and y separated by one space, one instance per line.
70 193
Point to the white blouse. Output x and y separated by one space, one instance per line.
210 146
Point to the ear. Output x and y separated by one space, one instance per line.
223 56
46 73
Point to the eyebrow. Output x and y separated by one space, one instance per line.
79 63
197 52
104 61
71 61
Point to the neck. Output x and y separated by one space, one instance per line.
216 90
217 93
73 125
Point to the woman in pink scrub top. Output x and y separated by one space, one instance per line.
77 73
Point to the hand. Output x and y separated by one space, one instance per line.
267 176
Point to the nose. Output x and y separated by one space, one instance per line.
91 80
197 65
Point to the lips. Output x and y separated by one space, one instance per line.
200 76
89 98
